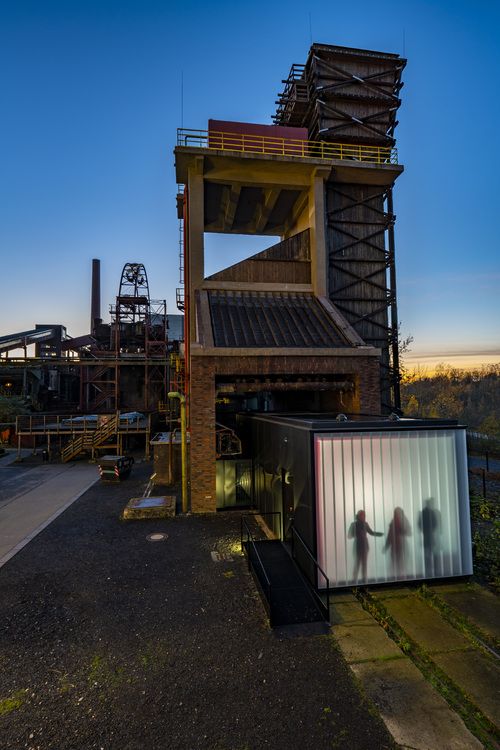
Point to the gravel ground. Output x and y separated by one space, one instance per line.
108 640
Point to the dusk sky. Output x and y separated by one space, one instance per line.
91 99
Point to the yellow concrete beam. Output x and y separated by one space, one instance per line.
265 209
287 171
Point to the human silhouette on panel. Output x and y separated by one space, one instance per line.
359 531
429 523
399 529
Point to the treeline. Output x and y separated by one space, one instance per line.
471 396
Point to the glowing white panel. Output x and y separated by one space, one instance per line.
392 506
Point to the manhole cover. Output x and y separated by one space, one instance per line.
156 537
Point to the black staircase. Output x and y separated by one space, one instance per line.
289 598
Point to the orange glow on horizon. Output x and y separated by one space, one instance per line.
428 362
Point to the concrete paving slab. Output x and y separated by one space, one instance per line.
360 643
26 514
455 586
478 676
342 596
348 612
479 605
416 716
424 625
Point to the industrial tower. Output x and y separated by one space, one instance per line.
309 323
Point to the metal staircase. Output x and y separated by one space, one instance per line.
88 441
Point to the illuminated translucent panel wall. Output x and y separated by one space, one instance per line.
408 487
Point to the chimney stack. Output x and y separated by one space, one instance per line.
95 302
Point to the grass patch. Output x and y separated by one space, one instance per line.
102 674
12 703
155 656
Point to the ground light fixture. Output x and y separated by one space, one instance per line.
182 400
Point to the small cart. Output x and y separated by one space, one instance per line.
115 468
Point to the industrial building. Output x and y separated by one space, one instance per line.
309 324
101 391
295 349
284 380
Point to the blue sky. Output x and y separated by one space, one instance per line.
91 99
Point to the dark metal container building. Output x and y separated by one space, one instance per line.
375 500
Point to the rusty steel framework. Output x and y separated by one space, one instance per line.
293 102
337 83
156 362
138 338
362 274
130 313
99 384
352 96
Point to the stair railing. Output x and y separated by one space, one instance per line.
324 608
104 431
254 560
89 439
73 448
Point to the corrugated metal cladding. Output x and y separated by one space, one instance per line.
271 319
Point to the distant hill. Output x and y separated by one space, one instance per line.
472 397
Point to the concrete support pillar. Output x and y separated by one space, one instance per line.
195 229
319 257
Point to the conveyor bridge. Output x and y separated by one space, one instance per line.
25 338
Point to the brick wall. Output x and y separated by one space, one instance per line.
365 372
202 420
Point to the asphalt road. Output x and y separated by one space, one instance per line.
18 479
480 461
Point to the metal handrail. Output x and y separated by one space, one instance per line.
301 149
326 607
66 424
251 540
262 515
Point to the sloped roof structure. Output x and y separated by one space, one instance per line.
271 319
